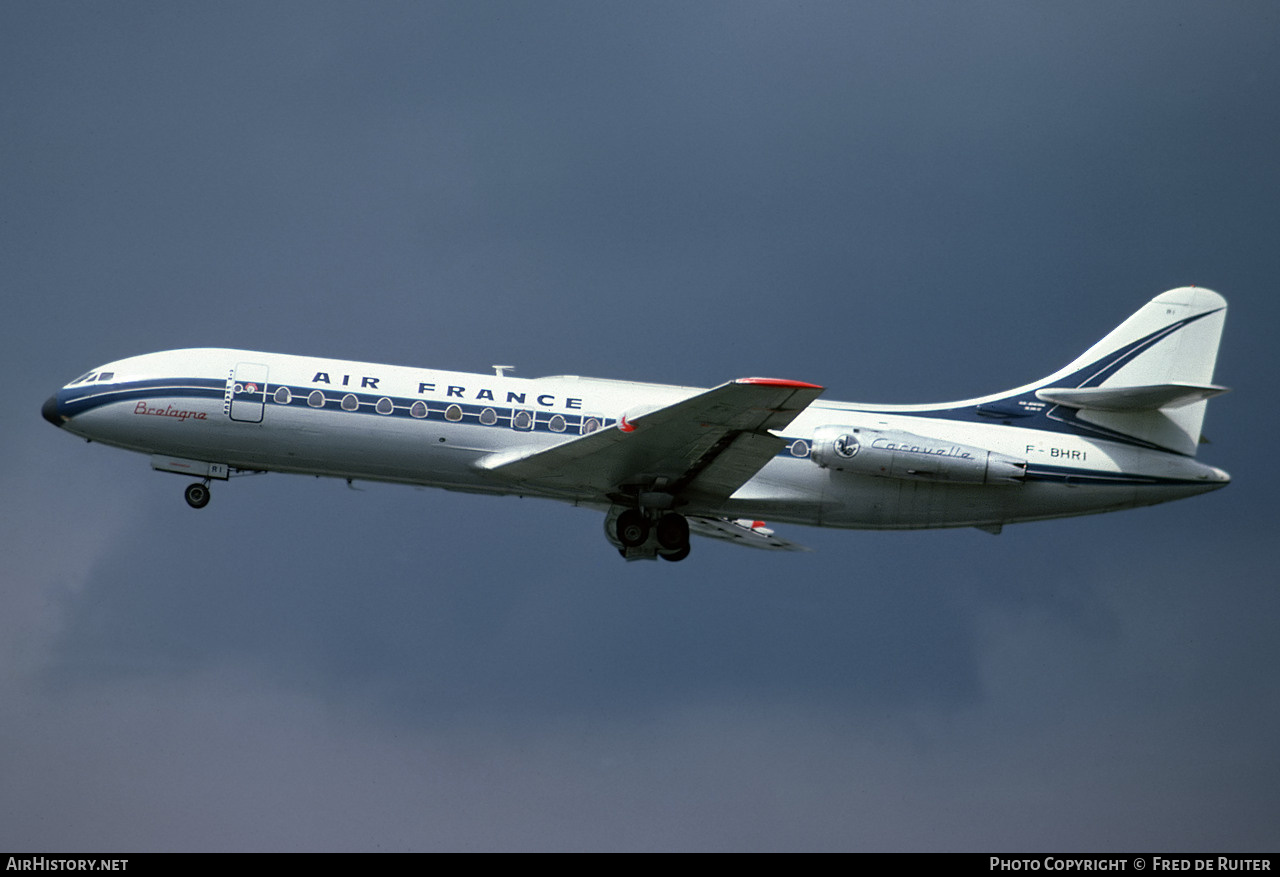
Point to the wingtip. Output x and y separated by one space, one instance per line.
781 382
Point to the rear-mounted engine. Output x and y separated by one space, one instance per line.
892 453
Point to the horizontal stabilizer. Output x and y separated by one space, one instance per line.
1150 379
1149 398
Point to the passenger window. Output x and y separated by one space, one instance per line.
453 413
557 423
316 399
522 420
418 409
590 424
350 402
488 417
385 406
283 396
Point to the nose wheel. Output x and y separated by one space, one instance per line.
197 495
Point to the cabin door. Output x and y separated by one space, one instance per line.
247 390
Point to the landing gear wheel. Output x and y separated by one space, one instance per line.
197 495
632 528
674 556
673 532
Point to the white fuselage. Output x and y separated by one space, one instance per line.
247 410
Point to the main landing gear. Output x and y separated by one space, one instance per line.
197 495
672 533
643 535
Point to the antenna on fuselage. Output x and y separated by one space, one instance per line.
501 370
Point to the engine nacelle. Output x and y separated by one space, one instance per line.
893 453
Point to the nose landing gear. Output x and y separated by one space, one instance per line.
197 494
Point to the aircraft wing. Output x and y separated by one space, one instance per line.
702 448
742 531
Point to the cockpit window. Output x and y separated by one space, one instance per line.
106 376
88 376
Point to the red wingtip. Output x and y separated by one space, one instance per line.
780 382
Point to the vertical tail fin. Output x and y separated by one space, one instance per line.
1149 379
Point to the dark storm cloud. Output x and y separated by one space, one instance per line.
906 203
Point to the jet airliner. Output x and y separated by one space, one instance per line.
1117 428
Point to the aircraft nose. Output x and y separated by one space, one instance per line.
49 410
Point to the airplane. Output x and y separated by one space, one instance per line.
1117 428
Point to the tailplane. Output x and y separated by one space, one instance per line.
1151 378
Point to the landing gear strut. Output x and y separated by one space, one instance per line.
197 495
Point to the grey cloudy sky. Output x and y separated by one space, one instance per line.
904 202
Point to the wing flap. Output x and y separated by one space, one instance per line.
742 531
728 470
